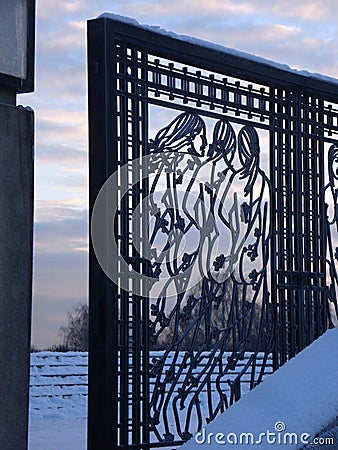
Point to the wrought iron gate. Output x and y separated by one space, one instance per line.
214 242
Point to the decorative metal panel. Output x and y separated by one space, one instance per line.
214 230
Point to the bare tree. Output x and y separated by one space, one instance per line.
74 336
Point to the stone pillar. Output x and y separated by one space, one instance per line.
16 238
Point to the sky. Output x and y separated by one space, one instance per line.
300 33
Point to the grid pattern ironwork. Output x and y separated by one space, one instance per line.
132 70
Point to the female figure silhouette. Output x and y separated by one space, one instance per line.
331 199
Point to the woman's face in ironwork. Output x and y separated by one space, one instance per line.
334 166
204 143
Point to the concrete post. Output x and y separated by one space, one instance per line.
16 237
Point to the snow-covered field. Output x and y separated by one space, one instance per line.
58 401
58 395
300 398
49 434
302 394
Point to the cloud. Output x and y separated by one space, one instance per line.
60 229
64 125
60 267
300 33
272 32
63 287
305 10
177 8
63 9
46 210
294 45
62 274
67 156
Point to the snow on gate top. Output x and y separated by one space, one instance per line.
219 47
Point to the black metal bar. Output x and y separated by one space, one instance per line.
273 217
299 230
103 310
321 315
309 207
124 416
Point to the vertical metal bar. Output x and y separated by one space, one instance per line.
289 234
124 304
281 224
299 222
135 234
321 313
316 218
314 207
272 224
309 202
145 332
145 347
103 346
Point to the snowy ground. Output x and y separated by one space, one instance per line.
58 395
331 431
302 395
300 398
58 401
48 434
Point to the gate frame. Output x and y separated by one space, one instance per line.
102 79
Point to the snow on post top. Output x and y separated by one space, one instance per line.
218 47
